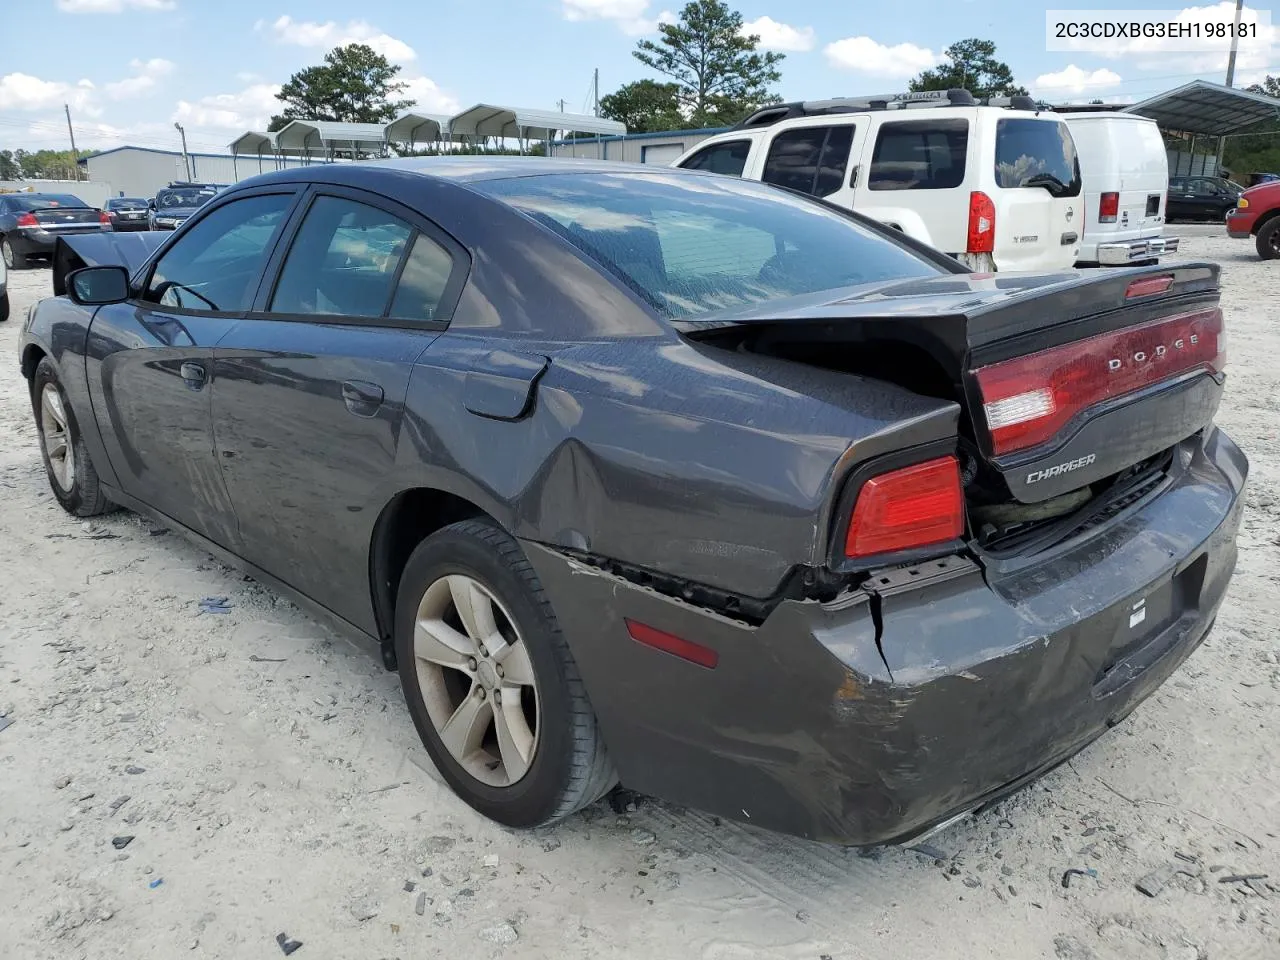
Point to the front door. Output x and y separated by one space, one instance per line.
150 361
309 389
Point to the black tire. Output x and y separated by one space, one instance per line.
1268 240
12 259
570 767
4 306
85 498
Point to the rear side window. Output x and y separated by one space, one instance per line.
809 159
1036 153
728 158
343 261
920 155
422 282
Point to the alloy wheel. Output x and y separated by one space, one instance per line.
6 251
476 680
56 436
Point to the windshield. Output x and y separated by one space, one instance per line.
1037 153
43 201
690 245
183 197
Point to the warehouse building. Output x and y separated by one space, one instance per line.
141 171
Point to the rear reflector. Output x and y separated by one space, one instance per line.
1108 207
1029 399
982 224
915 506
1147 286
670 643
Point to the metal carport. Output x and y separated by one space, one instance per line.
412 128
327 138
1204 109
252 144
522 124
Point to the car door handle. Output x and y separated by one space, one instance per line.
853 175
193 375
361 397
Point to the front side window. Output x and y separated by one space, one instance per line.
1036 153
809 159
216 264
728 158
343 261
919 155
691 246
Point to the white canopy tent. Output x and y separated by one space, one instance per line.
522 124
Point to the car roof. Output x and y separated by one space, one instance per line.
471 169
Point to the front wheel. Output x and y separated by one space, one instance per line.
490 683
66 461
1269 240
12 259
4 306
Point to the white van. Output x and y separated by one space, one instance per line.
1126 177
994 184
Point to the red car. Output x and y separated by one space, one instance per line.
1257 215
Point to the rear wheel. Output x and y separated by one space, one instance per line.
12 259
1269 240
490 683
4 306
66 461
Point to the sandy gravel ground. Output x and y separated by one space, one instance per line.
273 783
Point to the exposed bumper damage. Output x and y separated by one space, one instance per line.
870 719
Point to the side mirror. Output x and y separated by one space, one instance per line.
96 286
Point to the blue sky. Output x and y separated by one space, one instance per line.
131 68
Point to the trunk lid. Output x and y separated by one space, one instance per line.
57 219
1065 379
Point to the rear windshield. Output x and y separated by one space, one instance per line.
125 203
1036 153
691 245
43 201
183 197
919 155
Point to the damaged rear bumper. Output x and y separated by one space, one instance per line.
872 718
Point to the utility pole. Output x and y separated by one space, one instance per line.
1231 75
75 154
561 102
186 163
595 92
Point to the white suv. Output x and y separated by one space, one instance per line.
995 184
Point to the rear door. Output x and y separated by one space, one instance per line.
814 159
150 360
309 389
1038 196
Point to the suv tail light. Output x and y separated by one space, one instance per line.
1029 399
1108 207
28 220
982 224
914 506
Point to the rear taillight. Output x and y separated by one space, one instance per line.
915 506
982 224
1029 399
104 217
1108 207
28 220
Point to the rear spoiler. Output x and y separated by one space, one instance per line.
128 250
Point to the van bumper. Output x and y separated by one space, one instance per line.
1128 251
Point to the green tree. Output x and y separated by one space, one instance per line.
645 106
971 65
355 84
41 164
1270 87
720 74
9 168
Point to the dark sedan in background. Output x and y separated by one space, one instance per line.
1201 198
668 478
173 205
31 223
127 213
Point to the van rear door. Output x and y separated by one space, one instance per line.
1039 217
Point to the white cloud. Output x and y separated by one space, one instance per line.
867 56
428 96
248 109
146 73
113 6
780 36
1073 79
308 33
21 91
629 15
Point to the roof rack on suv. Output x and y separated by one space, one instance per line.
774 113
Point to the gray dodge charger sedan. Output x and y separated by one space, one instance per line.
668 479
